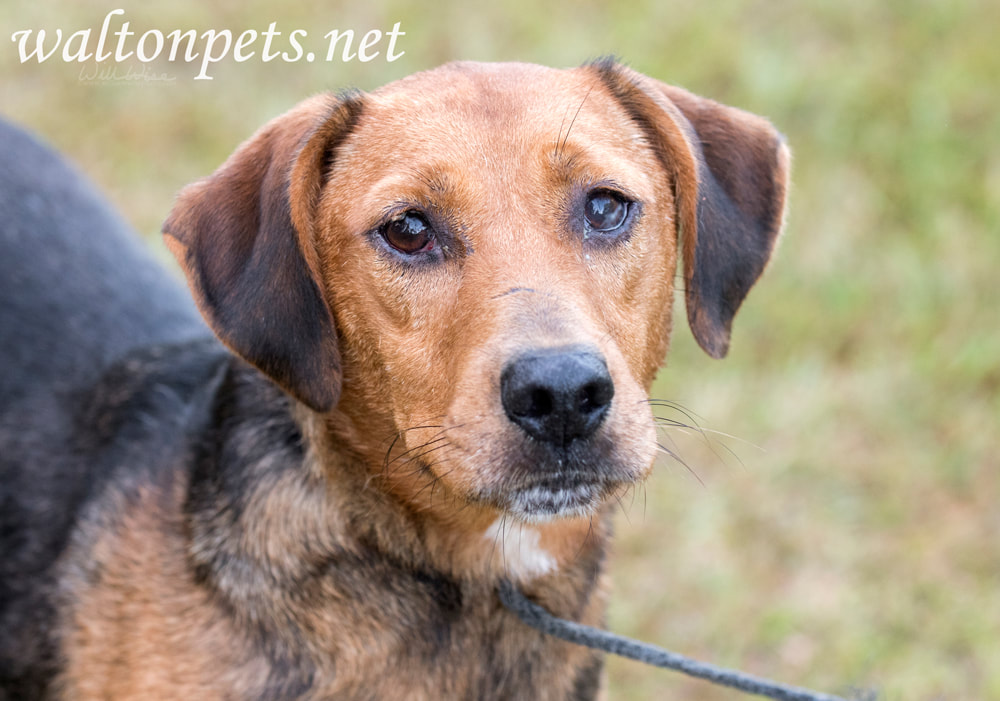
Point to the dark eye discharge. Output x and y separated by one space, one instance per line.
409 234
605 211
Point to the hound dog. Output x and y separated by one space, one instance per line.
441 306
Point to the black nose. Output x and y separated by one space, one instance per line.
557 395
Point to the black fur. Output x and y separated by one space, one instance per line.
87 373
588 680
78 288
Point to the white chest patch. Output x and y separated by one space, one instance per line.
517 548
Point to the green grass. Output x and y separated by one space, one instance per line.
852 536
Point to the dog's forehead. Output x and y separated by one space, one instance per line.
461 103
465 85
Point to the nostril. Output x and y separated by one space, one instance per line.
528 401
541 402
595 396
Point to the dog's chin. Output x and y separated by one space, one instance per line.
540 504
558 497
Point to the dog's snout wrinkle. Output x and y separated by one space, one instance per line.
557 395
516 290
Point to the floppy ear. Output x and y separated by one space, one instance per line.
730 174
245 241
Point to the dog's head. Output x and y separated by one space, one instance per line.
479 262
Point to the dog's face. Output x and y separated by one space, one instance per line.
480 261
500 273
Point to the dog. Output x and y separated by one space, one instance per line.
441 306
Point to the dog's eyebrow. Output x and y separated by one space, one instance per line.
572 165
435 180
566 162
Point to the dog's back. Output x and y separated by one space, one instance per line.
78 295
78 289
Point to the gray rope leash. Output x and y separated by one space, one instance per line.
540 619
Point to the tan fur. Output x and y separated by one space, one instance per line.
134 630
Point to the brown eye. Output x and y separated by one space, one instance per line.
409 234
605 210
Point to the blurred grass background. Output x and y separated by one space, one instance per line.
848 535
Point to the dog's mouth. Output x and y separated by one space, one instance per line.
560 495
